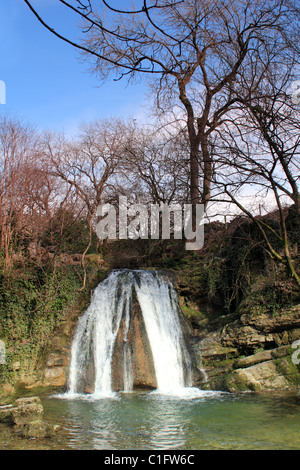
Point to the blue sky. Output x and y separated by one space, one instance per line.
46 84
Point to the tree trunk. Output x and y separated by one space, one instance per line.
207 171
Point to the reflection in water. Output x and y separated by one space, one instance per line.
130 421
145 421
210 420
167 426
146 424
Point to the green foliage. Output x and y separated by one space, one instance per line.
68 234
191 310
268 299
234 272
215 277
285 367
32 306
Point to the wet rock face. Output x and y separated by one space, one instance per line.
137 347
134 344
141 320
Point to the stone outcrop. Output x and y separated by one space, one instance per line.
246 352
26 410
6 414
252 353
37 429
55 373
26 418
140 353
258 377
250 332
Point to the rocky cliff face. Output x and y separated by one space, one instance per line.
253 353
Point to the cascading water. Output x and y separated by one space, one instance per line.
98 328
160 309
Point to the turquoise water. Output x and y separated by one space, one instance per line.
149 421
146 421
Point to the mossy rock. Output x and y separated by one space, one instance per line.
26 410
37 429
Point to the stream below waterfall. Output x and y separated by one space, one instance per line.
149 421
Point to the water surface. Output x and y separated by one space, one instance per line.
147 421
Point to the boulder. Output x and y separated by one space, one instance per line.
263 376
26 410
253 359
37 429
26 418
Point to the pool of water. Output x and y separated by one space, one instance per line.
149 421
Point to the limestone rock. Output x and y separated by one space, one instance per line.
55 376
26 418
27 409
287 319
37 429
55 372
140 352
253 359
257 377
27 401
7 390
54 360
211 348
267 330
245 337
280 352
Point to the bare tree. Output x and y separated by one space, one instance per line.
260 148
87 163
18 183
155 165
192 50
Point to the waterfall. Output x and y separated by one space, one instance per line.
108 321
158 301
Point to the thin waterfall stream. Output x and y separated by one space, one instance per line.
109 321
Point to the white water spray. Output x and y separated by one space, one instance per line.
98 327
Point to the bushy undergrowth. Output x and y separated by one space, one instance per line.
33 303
